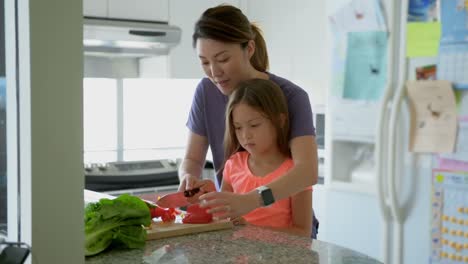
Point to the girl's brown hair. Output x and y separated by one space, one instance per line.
228 24
267 98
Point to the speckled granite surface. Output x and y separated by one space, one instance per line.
246 244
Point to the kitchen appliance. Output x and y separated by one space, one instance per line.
128 38
119 48
382 200
319 122
132 177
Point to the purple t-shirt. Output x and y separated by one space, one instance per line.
206 117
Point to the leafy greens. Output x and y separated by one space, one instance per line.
118 221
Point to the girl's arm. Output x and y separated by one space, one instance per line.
226 187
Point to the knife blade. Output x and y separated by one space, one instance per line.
177 199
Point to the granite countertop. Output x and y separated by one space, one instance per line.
243 244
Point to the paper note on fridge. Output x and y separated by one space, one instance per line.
358 16
433 116
461 147
422 39
366 65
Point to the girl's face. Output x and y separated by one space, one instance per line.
225 64
254 131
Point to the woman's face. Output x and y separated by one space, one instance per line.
225 64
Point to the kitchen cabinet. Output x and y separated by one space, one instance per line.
148 10
95 8
152 10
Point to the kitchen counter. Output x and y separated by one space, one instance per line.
243 244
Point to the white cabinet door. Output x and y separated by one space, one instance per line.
152 10
96 8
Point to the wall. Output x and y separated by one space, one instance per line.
296 37
51 135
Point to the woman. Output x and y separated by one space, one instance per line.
231 50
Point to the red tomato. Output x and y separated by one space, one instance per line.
167 215
156 212
197 215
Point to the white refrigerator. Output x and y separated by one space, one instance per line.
378 194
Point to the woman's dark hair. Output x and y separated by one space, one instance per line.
267 98
228 24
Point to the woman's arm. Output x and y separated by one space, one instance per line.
301 204
303 174
305 170
301 215
194 160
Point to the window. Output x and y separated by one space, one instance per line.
136 119
100 119
3 178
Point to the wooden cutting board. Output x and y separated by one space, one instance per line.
164 230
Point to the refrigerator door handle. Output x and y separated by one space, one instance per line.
399 66
380 171
396 77
396 209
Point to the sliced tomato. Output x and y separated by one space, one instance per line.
167 215
197 215
156 212
196 209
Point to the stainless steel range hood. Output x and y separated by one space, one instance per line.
127 38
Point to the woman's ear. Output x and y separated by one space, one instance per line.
250 48
282 119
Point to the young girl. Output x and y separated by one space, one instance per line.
257 152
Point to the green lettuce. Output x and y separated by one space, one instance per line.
119 221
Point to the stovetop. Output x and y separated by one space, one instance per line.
122 175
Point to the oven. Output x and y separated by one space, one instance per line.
139 178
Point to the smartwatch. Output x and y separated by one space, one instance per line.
266 195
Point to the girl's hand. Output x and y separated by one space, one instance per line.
239 221
226 205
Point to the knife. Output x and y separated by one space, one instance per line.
177 199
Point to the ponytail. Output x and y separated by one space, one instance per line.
259 59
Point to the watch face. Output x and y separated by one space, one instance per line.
267 196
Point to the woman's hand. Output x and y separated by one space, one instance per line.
226 205
190 182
